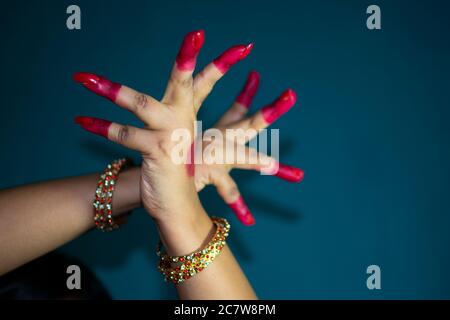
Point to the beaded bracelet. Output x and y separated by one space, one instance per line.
177 269
104 193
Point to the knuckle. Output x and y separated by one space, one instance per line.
140 101
233 192
253 122
123 134
207 82
184 82
201 76
163 149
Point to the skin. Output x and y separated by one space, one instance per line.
41 225
183 224
46 219
58 221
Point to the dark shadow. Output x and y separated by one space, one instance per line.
240 248
271 208
263 205
286 146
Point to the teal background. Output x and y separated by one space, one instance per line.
370 130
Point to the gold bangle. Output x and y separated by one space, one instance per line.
104 193
177 269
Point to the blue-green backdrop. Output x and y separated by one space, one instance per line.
371 130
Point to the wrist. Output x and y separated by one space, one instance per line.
190 232
127 195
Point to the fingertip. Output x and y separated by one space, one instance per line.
280 106
242 212
253 80
231 56
85 77
94 125
289 173
247 49
289 96
187 55
98 85
247 93
79 119
298 175
250 221
198 39
254 76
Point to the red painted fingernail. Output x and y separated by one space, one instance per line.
190 165
291 174
98 84
187 56
249 90
94 125
242 212
231 56
280 106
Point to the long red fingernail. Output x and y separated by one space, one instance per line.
231 56
242 212
291 174
94 125
249 90
98 84
280 106
187 56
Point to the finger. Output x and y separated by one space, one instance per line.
267 115
279 107
142 105
180 82
228 190
207 78
266 165
282 171
243 101
247 93
128 136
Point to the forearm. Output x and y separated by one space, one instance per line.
38 218
222 279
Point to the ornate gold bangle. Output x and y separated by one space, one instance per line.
104 193
177 269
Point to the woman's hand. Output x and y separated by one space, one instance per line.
218 175
177 110
167 189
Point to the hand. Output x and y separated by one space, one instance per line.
218 174
167 189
